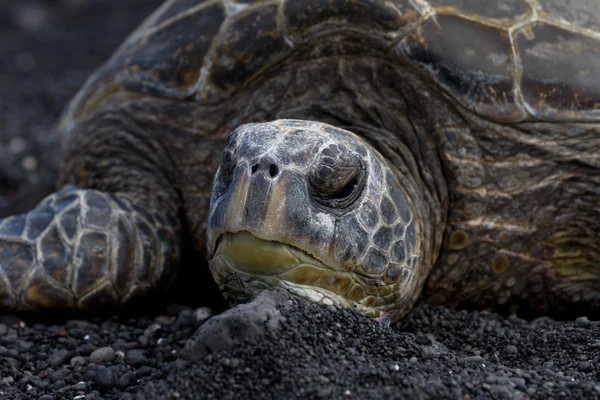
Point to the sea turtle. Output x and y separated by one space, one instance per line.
370 153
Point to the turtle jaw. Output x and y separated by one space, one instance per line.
243 263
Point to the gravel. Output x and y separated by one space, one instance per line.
272 347
297 350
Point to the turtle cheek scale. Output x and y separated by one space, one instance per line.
266 229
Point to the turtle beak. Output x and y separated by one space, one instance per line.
252 202
252 255
244 255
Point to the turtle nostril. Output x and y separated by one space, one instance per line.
254 168
273 170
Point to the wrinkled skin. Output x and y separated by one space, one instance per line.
347 227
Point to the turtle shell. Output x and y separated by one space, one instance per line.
506 60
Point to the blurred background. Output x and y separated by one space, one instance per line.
48 48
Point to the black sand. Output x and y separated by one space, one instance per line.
267 349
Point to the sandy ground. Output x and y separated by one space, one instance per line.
273 347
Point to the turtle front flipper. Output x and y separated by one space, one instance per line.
81 249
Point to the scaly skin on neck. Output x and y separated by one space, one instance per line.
523 231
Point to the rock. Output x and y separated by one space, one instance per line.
519 382
46 397
502 392
186 318
423 340
144 340
143 371
7 380
38 383
86 349
105 379
60 357
583 322
59 384
89 372
102 355
241 323
126 380
510 349
59 374
584 366
135 358
202 314
77 361
9 338
24 345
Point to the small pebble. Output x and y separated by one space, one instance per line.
92 396
80 386
58 375
151 329
9 338
17 144
423 340
583 322
46 397
584 366
126 380
144 340
24 345
7 380
102 355
143 371
104 379
78 360
29 163
502 392
202 313
60 357
59 384
510 349
135 358
186 318
89 372
519 382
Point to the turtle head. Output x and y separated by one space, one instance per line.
316 210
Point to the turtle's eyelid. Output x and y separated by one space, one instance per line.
348 188
346 195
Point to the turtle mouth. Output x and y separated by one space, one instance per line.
243 263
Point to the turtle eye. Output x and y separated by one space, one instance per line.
337 178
